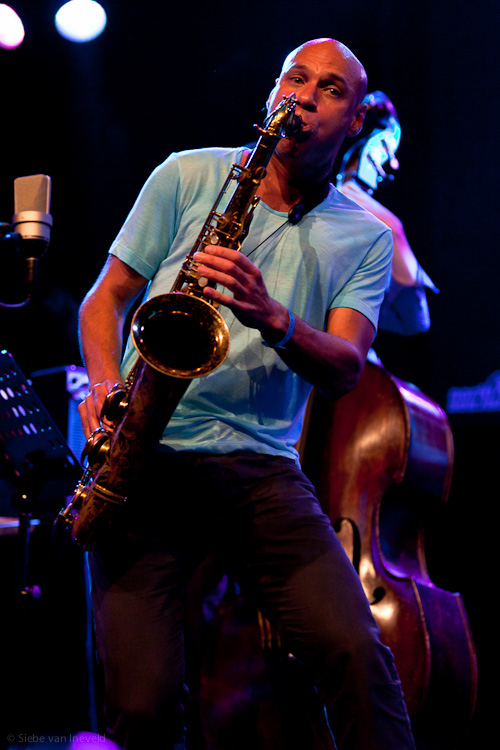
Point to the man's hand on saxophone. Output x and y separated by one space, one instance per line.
91 407
331 360
250 300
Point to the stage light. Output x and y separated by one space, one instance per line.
11 28
81 20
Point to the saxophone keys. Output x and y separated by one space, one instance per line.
115 404
96 448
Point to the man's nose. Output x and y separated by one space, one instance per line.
307 97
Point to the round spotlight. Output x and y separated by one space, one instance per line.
11 28
81 20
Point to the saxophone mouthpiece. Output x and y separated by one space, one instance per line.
294 127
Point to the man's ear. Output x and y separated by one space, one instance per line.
357 121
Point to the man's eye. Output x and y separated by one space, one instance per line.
333 91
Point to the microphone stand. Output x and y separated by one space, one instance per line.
42 466
31 250
25 592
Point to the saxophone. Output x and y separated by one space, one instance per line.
178 336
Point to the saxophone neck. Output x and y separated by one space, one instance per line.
281 122
229 225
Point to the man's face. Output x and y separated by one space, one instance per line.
328 84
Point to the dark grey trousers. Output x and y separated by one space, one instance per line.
260 516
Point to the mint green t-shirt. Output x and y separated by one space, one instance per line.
338 255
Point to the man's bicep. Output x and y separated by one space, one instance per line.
120 281
353 326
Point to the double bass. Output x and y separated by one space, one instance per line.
381 459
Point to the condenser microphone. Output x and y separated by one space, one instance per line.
32 221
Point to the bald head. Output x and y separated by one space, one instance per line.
329 84
356 71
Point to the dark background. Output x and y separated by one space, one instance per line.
99 117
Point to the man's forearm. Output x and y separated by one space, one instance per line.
330 363
102 316
101 339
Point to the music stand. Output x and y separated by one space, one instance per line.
40 469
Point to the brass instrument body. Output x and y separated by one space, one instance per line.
178 336
118 466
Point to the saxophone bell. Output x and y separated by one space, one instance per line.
180 335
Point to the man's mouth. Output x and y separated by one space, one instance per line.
299 129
